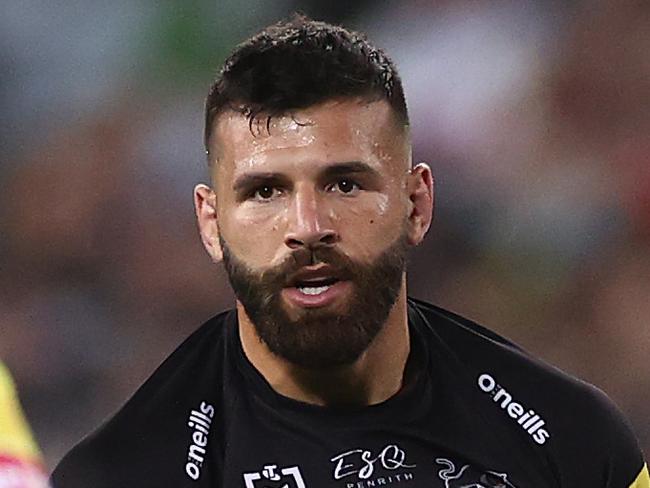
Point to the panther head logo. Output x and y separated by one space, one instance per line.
466 477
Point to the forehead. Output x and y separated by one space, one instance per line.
348 129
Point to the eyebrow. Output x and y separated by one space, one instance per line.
249 180
348 168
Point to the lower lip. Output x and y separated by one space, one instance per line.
335 291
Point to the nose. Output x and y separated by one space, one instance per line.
308 224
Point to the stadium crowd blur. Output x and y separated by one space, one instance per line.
535 116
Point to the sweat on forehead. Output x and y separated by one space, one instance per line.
334 122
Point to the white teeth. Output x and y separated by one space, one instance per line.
313 290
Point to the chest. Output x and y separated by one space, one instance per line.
277 453
399 465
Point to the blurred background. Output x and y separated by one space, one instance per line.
535 116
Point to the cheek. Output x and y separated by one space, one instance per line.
254 236
266 216
367 226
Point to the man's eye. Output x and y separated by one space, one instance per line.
345 186
265 192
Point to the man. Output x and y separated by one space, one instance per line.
20 460
326 374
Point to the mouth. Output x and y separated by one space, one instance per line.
316 287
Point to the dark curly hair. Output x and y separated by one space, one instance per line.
298 63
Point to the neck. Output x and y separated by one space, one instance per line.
374 377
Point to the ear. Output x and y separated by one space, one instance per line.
205 206
420 187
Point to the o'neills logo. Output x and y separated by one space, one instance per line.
531 422
199 422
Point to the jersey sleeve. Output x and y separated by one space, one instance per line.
626 466
80 468
606 453
20 460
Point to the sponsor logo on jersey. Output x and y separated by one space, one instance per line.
527 419
199 422
289 477
362 468
464 476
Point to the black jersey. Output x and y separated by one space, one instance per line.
476 412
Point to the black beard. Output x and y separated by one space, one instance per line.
318 338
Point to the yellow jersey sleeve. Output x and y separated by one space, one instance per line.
20 459
643 480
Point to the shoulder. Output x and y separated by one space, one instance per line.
148 434
574 424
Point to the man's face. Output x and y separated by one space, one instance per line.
312 225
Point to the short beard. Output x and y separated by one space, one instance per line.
320 339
